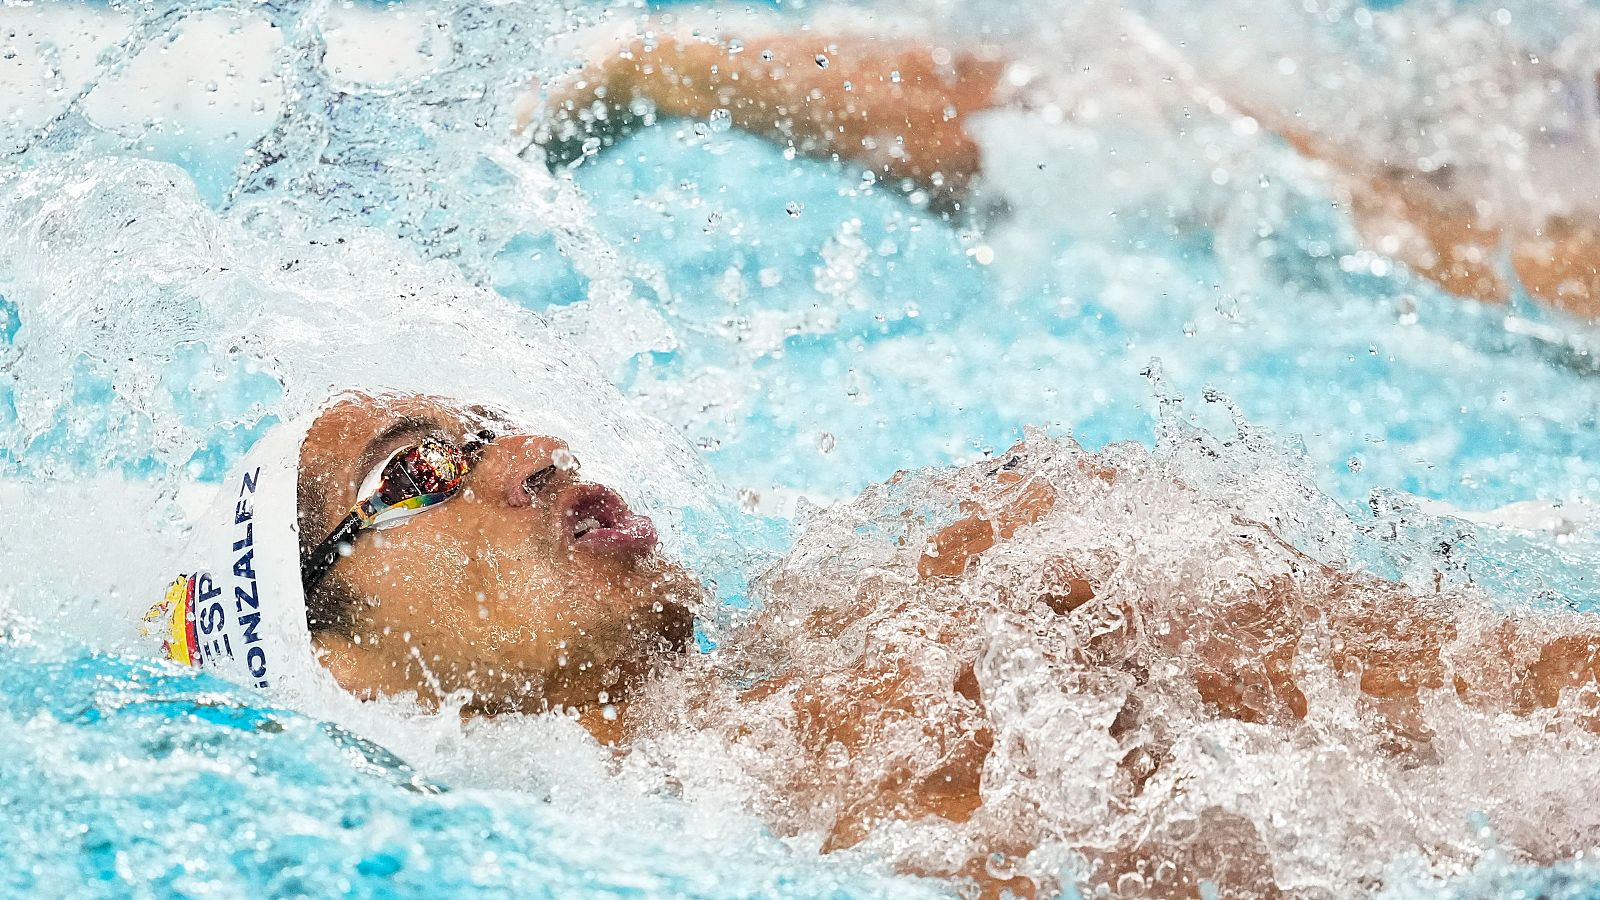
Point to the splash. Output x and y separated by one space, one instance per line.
159 330
1147 686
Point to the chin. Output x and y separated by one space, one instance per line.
654 633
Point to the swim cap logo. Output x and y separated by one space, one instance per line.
247 591
206 611
200 628
176 612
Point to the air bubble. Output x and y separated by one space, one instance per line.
1000 867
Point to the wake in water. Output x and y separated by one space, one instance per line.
1055 667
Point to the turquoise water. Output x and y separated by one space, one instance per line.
823 336
940 358
130 779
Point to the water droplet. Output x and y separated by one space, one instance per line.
794 208
822 61
608 712
895 76
749 500
1406 309
826 442
1190 329
564 460
836 756
720 121
1354 463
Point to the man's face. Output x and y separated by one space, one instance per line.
530 588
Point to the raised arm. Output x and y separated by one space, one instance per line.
1434 225
895 106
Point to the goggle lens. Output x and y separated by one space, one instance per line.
431 467
413 479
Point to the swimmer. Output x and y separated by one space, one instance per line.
905 110
414 547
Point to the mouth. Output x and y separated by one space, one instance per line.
596 518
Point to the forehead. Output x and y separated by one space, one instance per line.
344 431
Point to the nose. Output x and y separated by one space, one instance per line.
508 462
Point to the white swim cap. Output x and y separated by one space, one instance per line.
238 610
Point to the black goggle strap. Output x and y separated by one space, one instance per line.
329 551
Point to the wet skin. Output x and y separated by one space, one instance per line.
515 591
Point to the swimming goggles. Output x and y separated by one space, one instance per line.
411 480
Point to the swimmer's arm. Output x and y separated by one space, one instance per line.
1395 641
1398 642
1559 264
1435 228
897 106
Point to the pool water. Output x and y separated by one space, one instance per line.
772 334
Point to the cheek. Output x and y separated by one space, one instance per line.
493 579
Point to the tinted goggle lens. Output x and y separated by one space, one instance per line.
431 467
417 477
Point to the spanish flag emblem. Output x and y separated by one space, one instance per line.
173 619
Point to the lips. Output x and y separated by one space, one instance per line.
598 519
